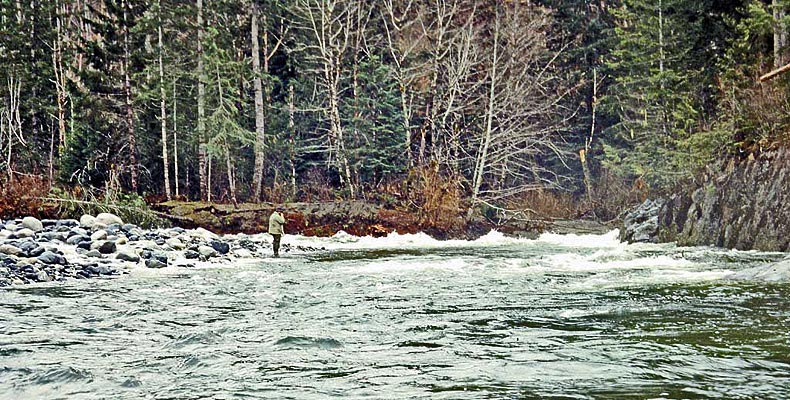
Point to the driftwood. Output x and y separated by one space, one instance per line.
775 73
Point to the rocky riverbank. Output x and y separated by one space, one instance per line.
33 250
741 205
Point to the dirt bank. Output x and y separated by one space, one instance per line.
355 217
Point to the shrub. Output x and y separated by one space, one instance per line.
23 196
437 197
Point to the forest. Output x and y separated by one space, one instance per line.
476 105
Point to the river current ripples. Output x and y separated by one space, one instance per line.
406 317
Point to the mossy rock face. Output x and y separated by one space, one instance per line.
743 206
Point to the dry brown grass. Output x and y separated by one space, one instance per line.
546 204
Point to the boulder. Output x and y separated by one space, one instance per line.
94 254
204 234
104 247
175 243
70 223
101 234
220 247
207 251
108 219
78 231
24 233
774 272
242 253
10 250
33 224
49 257
191 254
154 263
77 239
128 255
52 236
87 221
36 251
641 224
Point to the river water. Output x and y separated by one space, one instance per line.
407 317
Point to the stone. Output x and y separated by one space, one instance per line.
242 253
94 254
641 224
11 227
33 224
220 247
774 272
24 233
36 251
160 241
42 276
98 225
207 251
78 232
49 257
121 240
175 243
127 255
53 236
99 235
204 234
128 227
87 221
108 219
10 250
159 255
106 247
71 223
154 263
49 222
99 269
26 246
88 245
77 239
191 254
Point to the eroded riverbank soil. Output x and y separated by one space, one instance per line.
355 217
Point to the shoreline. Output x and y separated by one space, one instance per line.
35 251
104 246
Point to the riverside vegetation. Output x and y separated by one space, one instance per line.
447 116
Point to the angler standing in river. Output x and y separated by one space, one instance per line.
276 222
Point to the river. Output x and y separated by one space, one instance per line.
408 317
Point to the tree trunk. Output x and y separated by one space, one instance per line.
260 127
127 88
203 164
162 109
292 138
482 157
780 34
60 77
175 140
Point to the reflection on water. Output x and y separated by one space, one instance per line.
553 318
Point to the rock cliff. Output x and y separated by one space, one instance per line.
744 205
